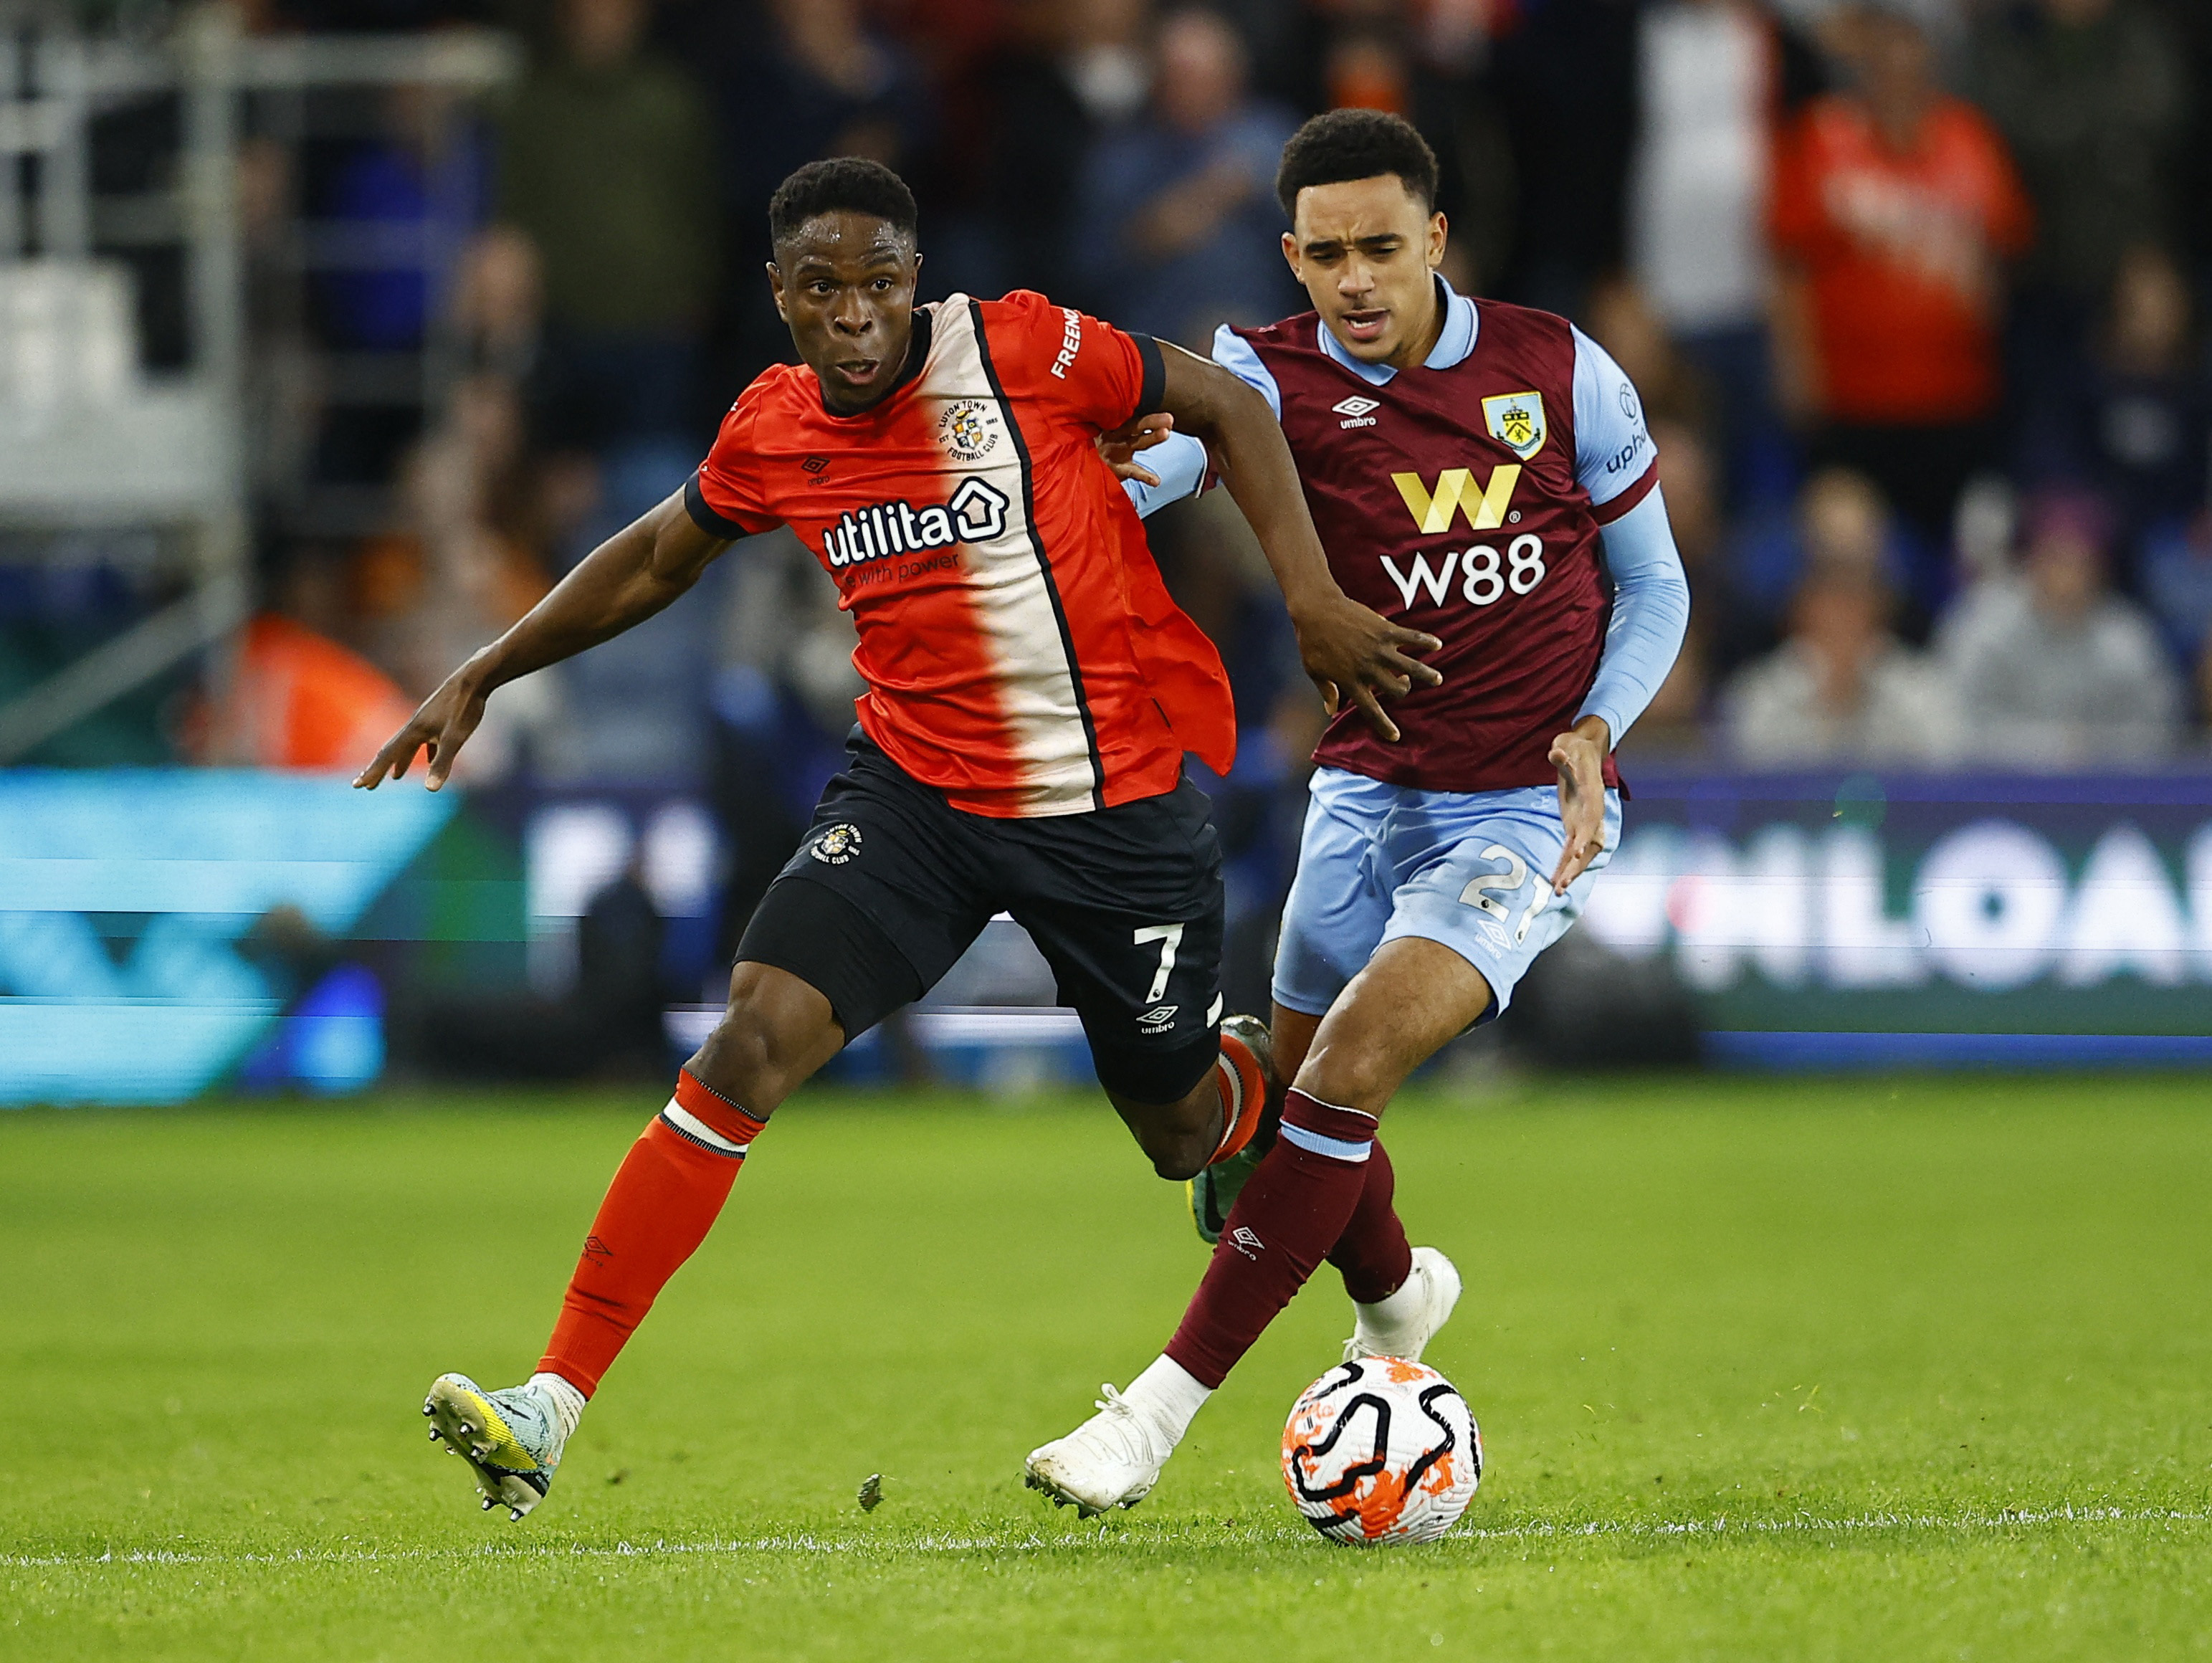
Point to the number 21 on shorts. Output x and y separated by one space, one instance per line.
1484 892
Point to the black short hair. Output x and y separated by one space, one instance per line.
840 184
1350 144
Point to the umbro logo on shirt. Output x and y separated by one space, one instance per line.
1357 412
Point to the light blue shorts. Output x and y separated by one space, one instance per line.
1472 869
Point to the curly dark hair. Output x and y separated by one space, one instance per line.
840 184
1350 144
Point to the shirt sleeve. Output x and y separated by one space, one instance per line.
1088 370
724 497
1180 461
1615 460
1650 614
1234 353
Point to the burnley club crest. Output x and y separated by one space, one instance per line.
1515 419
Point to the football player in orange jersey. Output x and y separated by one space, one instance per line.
1031 690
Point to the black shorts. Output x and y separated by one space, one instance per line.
893 884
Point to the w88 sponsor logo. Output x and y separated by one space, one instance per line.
1484 577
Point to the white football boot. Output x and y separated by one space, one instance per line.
1112 1460
1403 1324
511 1439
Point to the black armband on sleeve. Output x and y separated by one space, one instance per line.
1155 384
704 515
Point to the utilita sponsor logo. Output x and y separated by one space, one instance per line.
976 513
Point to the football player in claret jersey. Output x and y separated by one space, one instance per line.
1467 463
1031 690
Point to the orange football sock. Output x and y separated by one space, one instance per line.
664 1199
1244 1097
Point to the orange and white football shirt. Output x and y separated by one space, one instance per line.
1020 651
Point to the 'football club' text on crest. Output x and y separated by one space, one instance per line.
969 429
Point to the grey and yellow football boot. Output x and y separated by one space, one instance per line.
511 1439
1214 1191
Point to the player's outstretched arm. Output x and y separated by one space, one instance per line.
1350 651
624 581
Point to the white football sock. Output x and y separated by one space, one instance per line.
1393 1308
1167 1392
568 1402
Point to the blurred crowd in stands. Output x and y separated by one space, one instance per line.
1913 290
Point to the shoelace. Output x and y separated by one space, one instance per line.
1126 1425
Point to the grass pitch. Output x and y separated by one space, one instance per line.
1865 1369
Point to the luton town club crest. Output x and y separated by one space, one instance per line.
838 846
969 428
1515 419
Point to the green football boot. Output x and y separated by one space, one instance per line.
1214 1191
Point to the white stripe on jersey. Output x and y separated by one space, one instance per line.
1012 602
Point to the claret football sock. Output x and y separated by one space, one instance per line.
1243 1085
1291 1211
1372 1252
664 1199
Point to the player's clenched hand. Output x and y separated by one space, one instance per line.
1354 652
1579 755
443 725
1119 447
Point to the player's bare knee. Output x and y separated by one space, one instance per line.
747 1060
1350 1076
1177 1139
1183 1158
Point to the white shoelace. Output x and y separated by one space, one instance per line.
1120 1428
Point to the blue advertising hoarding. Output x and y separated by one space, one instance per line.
1830 920
1820 921
125 898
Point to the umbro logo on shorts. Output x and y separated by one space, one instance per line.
1357 412
1246 1241
1158 1019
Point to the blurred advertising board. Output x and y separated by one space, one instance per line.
167 933
162 931
1829 920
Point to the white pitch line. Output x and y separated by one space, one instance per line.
1806 1523
1803 1524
